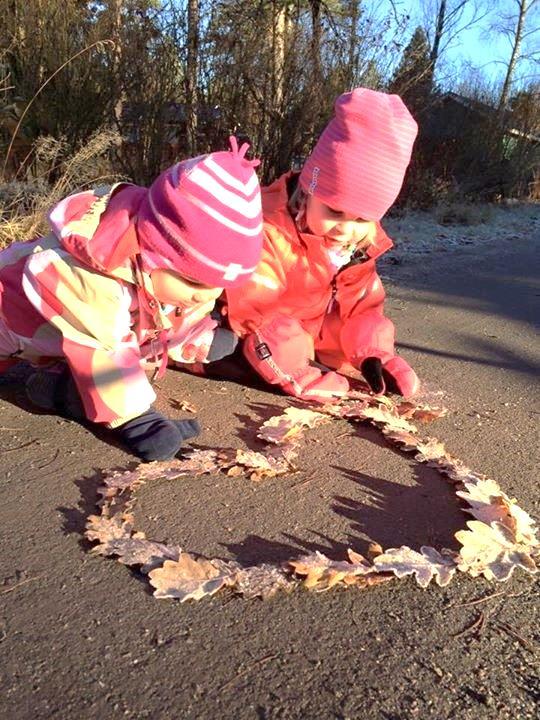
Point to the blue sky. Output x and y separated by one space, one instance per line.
477 46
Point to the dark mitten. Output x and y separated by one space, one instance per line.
372 370
152 436
223 344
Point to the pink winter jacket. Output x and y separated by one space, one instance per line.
80 294
342 310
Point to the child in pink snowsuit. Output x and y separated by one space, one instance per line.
316 295
130 275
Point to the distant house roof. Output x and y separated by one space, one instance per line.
482 108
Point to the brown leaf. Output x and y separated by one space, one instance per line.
286 427
321 573
426 565
491 551
139 551
381 416
407 440
262 581
275 461
197 462
430 449
187 578
423 413
183 405
105 529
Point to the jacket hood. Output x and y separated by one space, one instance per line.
275 201
98 227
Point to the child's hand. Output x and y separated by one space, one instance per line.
394 375
152 436
195 353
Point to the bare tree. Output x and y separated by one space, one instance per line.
444 20
518 27
191 75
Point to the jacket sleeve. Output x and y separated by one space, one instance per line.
281 352
91 312
365 331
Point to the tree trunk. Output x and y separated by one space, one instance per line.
191 76
514 57
116 26
439 30
352 68
316 32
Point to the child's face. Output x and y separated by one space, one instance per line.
171 288
337 227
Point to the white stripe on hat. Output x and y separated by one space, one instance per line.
175 237
248 208
246 188
241 229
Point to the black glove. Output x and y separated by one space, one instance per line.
378 378
372 370
152 436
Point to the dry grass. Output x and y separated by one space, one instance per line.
24 205
462 213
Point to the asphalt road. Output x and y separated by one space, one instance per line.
82 637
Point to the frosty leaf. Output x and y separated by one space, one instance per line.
430 449
105 529
187 578
380 415
426 565
196 462
491 551
138 551
269 464
424 413
321 573
262 581
283 428
489 503
407 440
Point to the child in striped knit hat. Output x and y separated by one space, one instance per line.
316 294
130 275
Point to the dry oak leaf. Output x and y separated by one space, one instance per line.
380 415
139 551
104 529
426 565
424 413
406 440
489 503
430 449
188 579
321 573
283 428
268 464
197 462
262 581
491 551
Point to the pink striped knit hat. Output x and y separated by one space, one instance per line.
359 162
202 218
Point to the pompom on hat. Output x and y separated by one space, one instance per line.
202 218
359 162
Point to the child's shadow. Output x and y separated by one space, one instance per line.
392 515
427 513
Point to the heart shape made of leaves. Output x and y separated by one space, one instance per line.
501 538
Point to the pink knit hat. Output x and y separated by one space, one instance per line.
202 218
359 162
